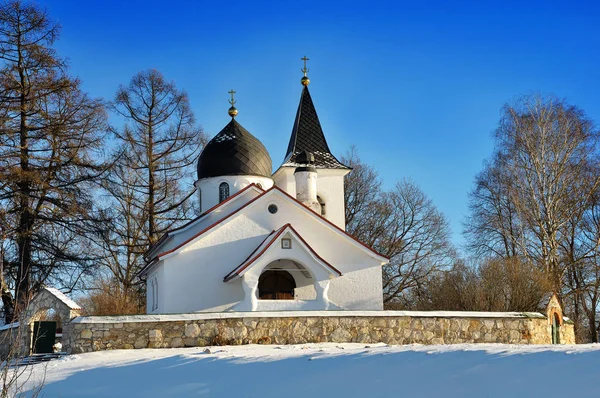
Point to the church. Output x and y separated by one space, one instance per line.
265 241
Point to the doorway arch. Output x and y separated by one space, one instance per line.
276 285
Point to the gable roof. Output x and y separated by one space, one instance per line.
230 199
263 194
338 229
307 135
62 297
267 243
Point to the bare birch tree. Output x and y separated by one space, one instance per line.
548 148
536 199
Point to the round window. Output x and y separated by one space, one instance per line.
272 209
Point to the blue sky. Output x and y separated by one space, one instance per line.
416 86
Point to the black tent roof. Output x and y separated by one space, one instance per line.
307 135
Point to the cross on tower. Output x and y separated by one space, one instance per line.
304 70
232 100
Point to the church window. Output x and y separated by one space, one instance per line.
272 208
276 285
154 286
199 201
223 191
322 204
286 243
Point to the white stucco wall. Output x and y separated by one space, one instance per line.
207 189
181 235
158 274
193 277
330 188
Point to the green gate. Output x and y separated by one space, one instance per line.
555 329
44 335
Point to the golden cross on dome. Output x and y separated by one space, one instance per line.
232 111
304 70
232 100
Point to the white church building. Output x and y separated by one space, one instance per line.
265 241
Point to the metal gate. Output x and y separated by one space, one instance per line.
44 335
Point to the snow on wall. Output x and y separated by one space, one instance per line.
291 327
63 298
199 316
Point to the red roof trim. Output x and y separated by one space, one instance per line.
211 226
281 230
237 271
274 187
328 222
314 252
229 199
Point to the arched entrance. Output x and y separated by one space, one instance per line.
276 285
47 313
555 329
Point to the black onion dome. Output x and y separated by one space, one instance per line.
234 151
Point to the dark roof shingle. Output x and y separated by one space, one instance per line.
307 135
234 151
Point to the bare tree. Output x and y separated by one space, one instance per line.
581 251
416 237
51 137
547 147
493 227
536 200
402 224
362 188
499 284
151 183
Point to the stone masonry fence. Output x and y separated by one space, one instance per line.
85 334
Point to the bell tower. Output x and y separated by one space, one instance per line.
308 138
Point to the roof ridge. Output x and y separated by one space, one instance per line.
207 212
246 263
273 188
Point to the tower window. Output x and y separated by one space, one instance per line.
223 191
199 200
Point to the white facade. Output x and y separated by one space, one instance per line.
330 191
265 242
190 269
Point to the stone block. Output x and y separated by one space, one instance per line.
140 343
340 335
155 335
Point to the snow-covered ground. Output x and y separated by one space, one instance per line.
328 370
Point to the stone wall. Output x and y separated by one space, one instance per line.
12 342
87 334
